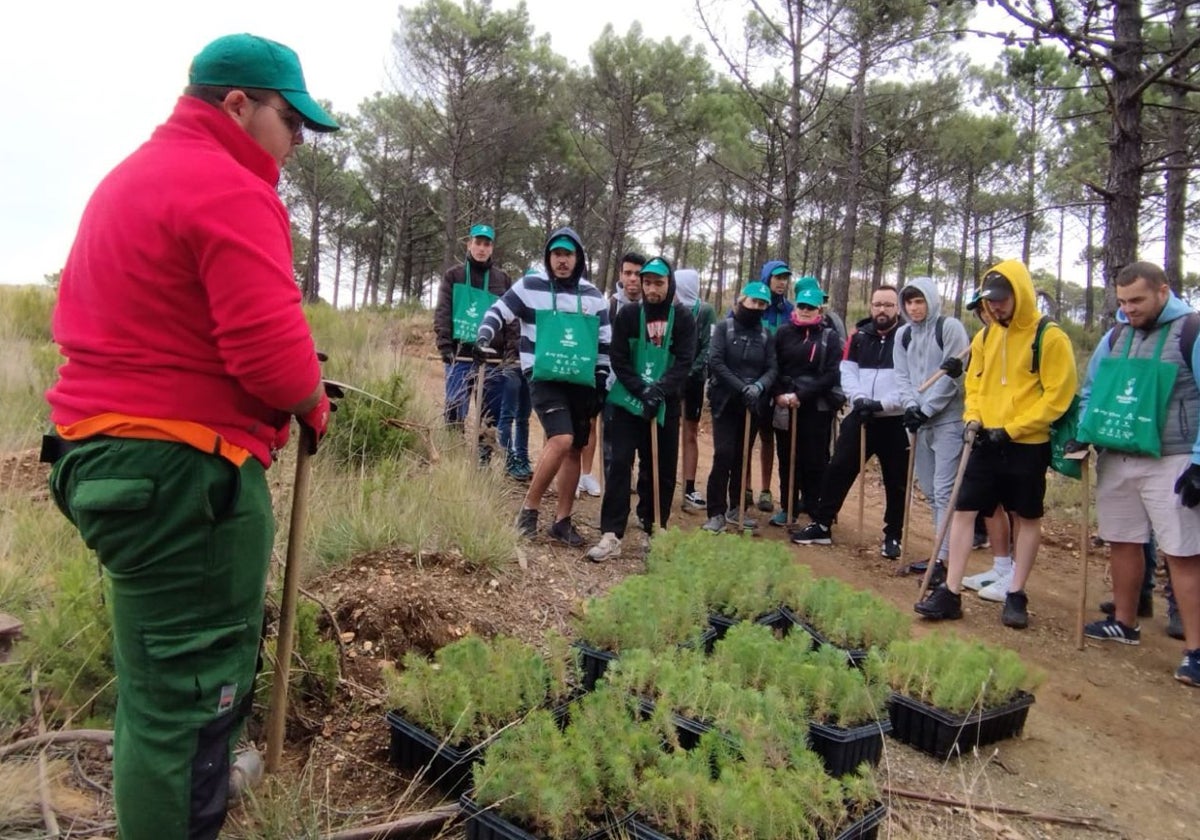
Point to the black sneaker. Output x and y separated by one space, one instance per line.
1145 608
890 548
1016 610
527 523
938 576
1111 630
564 532
814 533
940 605
1174 625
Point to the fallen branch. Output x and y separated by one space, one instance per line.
48 816
403 827
423 432
1058 819
333 622
62 736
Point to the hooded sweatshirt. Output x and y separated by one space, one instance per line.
687 292
1181 430
682 347
943 401
1000 389
537 292
780 309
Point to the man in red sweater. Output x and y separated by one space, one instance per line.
187 354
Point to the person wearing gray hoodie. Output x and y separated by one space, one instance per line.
933 418
687 292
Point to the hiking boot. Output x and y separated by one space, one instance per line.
1174 625
1145 607
982 580
715 524
890 548
608 548
588 484
765 503
1111 630
564 532
744 522
1016 610
1189 669
814 533
527 523
940 605
997 590
693 502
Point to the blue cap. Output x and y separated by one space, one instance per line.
483 230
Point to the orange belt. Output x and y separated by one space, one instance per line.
150 428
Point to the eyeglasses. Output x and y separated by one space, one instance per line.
882 305
291 118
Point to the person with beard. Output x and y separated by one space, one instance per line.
741 369
465 293
869 381
1010 404
687 281
809 350
564 346
653 344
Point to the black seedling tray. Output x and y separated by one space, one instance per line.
941 734
843 749
487 824
865 827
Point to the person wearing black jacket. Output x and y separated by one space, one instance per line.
741 370
809 350
646 400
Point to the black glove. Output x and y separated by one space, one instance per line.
652 397
992 437
971 432
867 408
599 395
1188 486
751 394
953 367
914 418
447 357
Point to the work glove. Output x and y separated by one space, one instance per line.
867 408
317 417
652 397
953 367
914 418
971 431
482 350
992 437
751 394
1188 486
447 357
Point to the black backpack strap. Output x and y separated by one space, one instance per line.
937 331
1036 364
1187 336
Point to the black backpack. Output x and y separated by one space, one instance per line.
1187 336
906 338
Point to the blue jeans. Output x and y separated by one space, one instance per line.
515 409
460 387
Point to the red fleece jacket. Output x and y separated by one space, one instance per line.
177 300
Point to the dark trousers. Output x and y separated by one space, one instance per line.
725 479
631 436
802 481
887 441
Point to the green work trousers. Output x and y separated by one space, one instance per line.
185 538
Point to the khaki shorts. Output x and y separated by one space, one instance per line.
1135 493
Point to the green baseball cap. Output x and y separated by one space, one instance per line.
809 282
562 243
483 230
781 269
656 266
250 61
756 290
810 296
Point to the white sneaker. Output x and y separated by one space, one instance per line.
588 484
977 582
997 590
608 548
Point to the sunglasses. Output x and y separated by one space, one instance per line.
291 118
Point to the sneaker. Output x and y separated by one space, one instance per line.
1016 610
1145 607
980 541
1189 669
693 502
814 533
997 590
1174 625
525 468
564 532
779 519
748 499
940 605
745 522
982 580
647 526
588 484
938 576
1111 630
890 548
608 548
527 523
765 503
714 525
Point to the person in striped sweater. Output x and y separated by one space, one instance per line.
568 369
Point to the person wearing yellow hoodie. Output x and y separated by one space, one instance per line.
1014 391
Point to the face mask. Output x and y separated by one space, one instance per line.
746 316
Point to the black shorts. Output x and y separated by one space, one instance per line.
1013 475
563 408
693 398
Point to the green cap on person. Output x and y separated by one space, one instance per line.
656 266
758 291
809 296
809 282
484 231
781 269
246 60
562 243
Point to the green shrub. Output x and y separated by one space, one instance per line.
25 313
315 668
359 434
